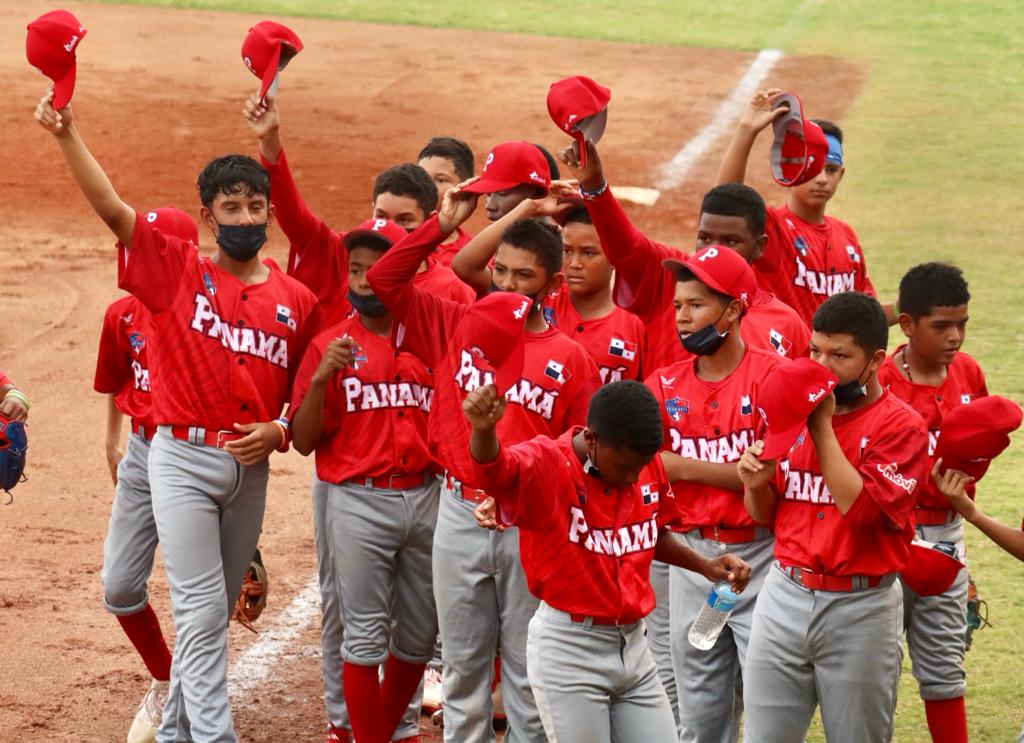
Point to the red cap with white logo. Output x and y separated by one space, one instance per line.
494 331
171 221
972 435
931 568
512 164
50 48
799 147
267 49
579 107
721 269
383 231
788 395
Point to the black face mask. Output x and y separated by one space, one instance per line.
367 304
534 305
851 391
241 242
707 340
590 467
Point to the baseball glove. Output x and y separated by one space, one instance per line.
252 599
977 612
13 444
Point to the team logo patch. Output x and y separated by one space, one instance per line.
549 316
535 177
801 245
557 372
284 316
211 288
892 474
127 319
359 359
746 408
779 342
136 341
649 493
677 407
852 252
622 349
667 381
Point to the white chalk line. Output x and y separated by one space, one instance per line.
728 112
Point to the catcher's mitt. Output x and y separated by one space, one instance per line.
13 444
977 612
252 599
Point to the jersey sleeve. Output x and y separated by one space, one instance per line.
892 468
525 481
113 358
151 268
772 258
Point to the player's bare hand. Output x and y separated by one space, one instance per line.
457 206
591 176
758 114
55 122
555 201
260 440
261 115
754 472
14 409
486 515
484 407
820 418
953 484
114 457
337 356
728 567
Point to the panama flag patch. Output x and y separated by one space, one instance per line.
284 316
557 372
779 342
745 407
622 349
965 399
649 493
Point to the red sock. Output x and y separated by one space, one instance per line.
947 720
143 629
401 680
363 699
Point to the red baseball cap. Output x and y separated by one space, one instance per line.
972 435
579 107
512 164
383 230
50 48
799 148
267 49
931 568
171 221
722 269
788 395
495 331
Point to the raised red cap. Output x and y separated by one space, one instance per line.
799 147
50 48
171 221
512 164
788 395
579 107
722 269
495 331
972 435
931 568
384 230
267 49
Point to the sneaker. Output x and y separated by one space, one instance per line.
438 718
431 690
338 735
151 710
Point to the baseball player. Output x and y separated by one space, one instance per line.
449 161
512 173
362 406
482 600
592 507
809 256
229 331
122 373
932 375
841 502
13 402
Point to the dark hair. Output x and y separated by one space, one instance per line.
376 244
625 415
577 214
411 181
232 175
685 274
538 237
737 200
931 285
454 150
857 315
830 128
552 163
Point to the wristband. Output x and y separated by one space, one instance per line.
591 195
282 426
18 395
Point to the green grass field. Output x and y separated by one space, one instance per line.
934 172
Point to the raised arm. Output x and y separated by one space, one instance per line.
757 116
88 174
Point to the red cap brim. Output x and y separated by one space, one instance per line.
778 443
64 89
485 186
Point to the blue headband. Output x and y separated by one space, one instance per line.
835 150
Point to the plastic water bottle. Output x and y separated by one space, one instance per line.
712 617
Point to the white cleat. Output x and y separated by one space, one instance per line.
147 719
431 690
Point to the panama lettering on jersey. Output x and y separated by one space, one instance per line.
246 339
383 395
718 449
536 399
639 536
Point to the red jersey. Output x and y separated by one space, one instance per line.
446 253
711 422
225 352
804 264
443 282
775 326
586 547
615 342
964 382
888 444
122 369
552 394
375 410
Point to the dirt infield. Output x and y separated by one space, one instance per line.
159 93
